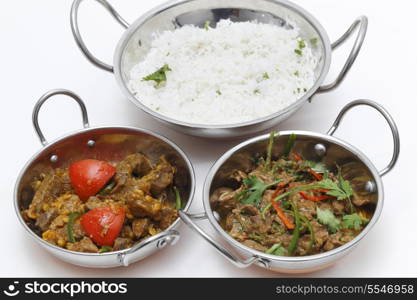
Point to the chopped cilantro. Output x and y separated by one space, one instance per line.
314 41
353 221
207 25
326 217
254 190
159 76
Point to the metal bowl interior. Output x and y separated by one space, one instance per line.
136 42
111 144
355 167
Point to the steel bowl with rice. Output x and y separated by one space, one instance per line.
136 41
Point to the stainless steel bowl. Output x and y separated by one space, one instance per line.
314 146
106 143
135 43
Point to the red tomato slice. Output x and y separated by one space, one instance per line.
89 176
103 224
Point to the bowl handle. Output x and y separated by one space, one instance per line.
362 23
77 35
388 118
188 219
42 100
158 241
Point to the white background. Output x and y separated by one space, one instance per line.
38 53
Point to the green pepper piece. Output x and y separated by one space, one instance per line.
71 219
178 204
105 249
107 189
296 233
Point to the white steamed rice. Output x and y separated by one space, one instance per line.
233 73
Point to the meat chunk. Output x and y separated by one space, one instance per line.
53 185
133 165
303 245
283 239
59 222
223 200
361 200
127 232
142 205
166 217
320 234
307 208
254 245
161 177
68 203
46 218
122 243
338 206
140 227
85 245
77 230
336 240
235 228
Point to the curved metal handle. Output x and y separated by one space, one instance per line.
41 101
159 241
388 118
362 23
188 220
77 35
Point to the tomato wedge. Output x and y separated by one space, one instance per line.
89 176
103 224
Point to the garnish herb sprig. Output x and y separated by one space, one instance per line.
159 76
254 190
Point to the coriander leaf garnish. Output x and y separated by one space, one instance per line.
207 25
301 46
218 92
296 73
298 52
353 221
333 189
159 76
340 190
254 190
265 75
314 41
326 217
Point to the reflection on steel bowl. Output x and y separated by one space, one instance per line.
296 204
103 196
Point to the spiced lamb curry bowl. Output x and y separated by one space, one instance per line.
103 196
293 201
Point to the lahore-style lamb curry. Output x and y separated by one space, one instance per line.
96 206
